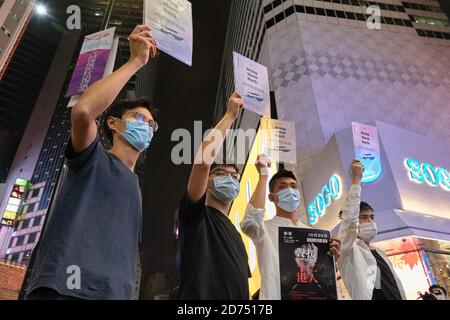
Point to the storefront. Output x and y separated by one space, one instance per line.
411 199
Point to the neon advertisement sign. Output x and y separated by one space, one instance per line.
331 191
426 173
15 201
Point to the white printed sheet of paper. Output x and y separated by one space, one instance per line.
252 83
278 140
171 24
367 150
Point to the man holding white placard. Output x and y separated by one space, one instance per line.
284 193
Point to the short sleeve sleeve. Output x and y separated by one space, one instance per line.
189 211
76 161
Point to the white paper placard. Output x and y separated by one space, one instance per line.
171 24
252 83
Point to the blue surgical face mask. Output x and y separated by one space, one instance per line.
288 199
226 189
138 134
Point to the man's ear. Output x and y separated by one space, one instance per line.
209 184
111 121
271 197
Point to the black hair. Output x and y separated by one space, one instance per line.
363 206
279 175
216 165
435 286
119 108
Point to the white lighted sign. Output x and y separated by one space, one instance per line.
426 173
330 191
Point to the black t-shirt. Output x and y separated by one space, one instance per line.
94 228
389 289
214 262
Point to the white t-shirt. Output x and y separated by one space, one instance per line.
264 235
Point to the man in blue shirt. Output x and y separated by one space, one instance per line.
90 247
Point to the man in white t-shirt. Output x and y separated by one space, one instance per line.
285 195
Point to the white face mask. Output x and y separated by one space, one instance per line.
367 231
439 295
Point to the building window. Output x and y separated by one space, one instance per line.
391 7
430 21
31 207
330 13
360 17
15 257
320 11
26 256
25 223
289 11
37 221
398 22
299 8
340 14
20 241
279 17
351 16
32 238
310 10
389 20
270 23
35 193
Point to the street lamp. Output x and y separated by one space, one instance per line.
41 10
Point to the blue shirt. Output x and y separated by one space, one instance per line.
95 227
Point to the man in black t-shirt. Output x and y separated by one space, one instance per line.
90 246
214 263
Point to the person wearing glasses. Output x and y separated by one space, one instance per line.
90 246
214 262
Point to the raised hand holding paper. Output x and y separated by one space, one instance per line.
367 150
171 24
252 82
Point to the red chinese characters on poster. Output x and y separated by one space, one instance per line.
307 269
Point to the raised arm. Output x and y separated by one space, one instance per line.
348 231
251 225
97 98
210 148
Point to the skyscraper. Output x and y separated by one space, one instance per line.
245 35
25 55
15 16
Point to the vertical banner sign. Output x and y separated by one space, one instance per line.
92 61
109 69
307 268
278 140
171 24
252 82
367 150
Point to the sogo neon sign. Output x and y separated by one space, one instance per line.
331 191
426 173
